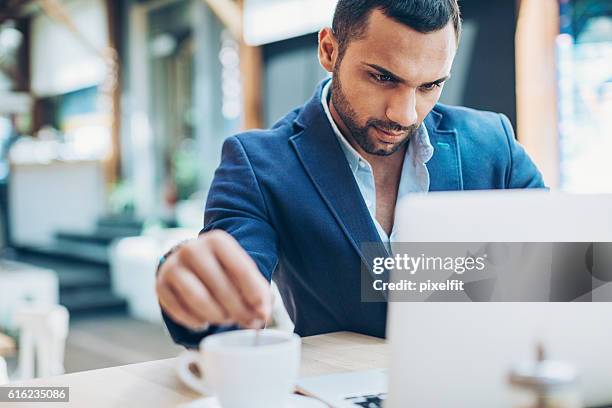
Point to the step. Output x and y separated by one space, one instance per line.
92 300
120 221
72 250
83 279
102 236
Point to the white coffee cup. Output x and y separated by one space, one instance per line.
245 369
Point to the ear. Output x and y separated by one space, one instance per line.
328 49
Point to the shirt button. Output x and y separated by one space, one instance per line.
362 164
368 203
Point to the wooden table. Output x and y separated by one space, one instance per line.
154 384
7 345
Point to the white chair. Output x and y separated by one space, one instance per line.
43 333
23 284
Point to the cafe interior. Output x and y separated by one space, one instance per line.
113 114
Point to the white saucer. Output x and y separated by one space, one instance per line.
295 401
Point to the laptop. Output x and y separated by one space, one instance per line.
460 354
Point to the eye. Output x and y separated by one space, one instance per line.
430 87
382 78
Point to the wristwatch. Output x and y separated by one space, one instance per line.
172 250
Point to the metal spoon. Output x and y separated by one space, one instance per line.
257 338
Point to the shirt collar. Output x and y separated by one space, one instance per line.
421 154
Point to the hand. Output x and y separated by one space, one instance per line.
212 280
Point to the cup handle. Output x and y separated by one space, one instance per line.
184 360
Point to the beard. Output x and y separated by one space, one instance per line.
361 134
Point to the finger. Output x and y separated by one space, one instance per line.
204 264
172 306
197 298
243 272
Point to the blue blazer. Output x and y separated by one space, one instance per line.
289 198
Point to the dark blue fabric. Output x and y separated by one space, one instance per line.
288 196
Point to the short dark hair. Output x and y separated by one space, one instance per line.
351 17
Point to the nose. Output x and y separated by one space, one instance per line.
401 109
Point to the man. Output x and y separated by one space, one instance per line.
295 202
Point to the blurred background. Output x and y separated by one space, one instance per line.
113 112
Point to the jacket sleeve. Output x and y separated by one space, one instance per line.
235 204
522 173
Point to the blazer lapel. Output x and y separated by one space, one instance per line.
444 166
323 159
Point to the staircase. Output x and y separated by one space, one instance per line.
82 264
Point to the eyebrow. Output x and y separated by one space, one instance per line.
397 78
